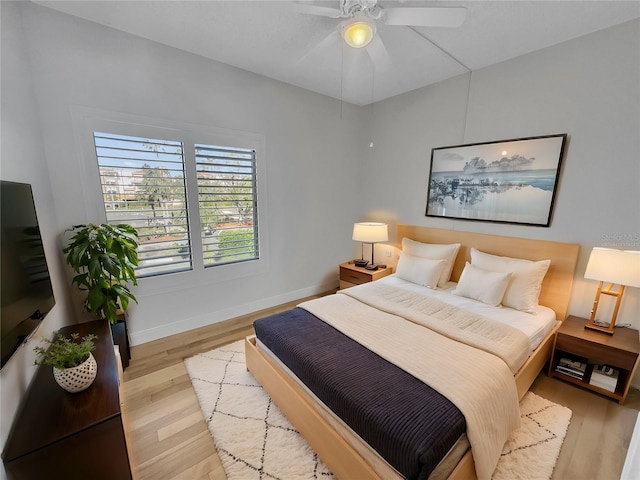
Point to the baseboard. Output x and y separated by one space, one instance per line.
186 324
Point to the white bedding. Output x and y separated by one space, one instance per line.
422 335
536 327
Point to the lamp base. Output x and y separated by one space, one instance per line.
599 328
371 267
592 324
361 263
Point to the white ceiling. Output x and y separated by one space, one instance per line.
270 38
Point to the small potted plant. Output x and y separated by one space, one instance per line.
74 366
104 257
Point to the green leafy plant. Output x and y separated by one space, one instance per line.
103 257
65 352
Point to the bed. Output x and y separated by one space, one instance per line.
344 451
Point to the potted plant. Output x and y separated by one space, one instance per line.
74 366
103 258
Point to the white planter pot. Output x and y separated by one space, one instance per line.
77 379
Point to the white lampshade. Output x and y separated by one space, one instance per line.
614 266
370 232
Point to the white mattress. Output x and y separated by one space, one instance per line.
535 326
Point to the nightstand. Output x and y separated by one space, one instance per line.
620 351
350 275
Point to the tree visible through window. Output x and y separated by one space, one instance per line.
228 206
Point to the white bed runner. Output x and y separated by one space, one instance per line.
508 343
480 384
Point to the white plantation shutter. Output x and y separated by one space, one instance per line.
168 186
227 201
143 184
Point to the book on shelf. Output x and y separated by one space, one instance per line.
572 367
570 372
573 364
604 377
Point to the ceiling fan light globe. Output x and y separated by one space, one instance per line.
358 34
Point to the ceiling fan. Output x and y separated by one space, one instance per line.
358 27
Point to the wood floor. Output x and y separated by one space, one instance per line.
168 438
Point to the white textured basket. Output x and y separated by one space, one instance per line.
77 379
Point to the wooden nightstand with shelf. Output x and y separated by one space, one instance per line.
619 351
350 275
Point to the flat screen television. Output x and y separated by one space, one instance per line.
26 295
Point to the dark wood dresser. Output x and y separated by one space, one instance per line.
57 434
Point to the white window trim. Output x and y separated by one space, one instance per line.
88 120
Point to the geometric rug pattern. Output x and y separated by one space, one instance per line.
532 450
256 441
253 438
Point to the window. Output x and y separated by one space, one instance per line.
146 182
227 201
143 184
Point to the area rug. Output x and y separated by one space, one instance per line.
255 440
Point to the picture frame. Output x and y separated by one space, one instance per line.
504 181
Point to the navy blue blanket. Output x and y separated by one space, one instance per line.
407 422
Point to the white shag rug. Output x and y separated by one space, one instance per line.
255 440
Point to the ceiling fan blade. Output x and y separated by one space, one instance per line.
425 16
320 46
317 10
379 55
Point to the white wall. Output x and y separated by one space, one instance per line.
587 87
22 160
312 147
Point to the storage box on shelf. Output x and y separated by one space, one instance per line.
604 376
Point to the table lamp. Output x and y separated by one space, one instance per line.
369 232
621 267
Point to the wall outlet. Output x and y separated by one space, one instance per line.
388 253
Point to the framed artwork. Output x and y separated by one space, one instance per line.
507 181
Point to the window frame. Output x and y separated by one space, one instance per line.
86 121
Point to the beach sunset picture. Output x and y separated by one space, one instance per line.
512 181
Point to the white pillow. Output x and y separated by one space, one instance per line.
482 285
434 252
526 278
422 271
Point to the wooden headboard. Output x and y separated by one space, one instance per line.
557 283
